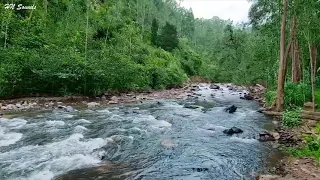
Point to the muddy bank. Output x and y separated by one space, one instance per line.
294 168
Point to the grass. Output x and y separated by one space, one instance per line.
311 148
291 117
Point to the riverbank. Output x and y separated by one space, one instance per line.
49 103
293 140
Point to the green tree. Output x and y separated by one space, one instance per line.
154 31
168 39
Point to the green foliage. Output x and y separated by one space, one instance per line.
270 97
291 118
317 83
296 94
74 47
317 97
45 51
154 31
310 149
190 60
188 25
168 39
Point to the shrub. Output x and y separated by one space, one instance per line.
270 97
310 149
296 94
291 118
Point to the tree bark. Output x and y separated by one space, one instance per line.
296 63
296 67
87 26
313 68
282 63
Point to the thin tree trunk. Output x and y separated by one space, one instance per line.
143 18
6 33
313 66
296 64
45 5
291 43
87 25
282 63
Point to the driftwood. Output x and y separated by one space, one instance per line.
304 114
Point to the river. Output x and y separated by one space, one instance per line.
144 140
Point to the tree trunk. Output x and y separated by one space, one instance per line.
282 63
295 71
296 63
45 6
313 68
87 25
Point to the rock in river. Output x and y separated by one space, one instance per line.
93 104
192 106
247 97
213 86
233 130
231 109
67 108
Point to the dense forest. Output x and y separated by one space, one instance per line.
89 47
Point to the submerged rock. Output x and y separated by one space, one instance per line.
167 143
190 106
200 169
233 130
260 110
231 109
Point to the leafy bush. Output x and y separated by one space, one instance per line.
291 118
310 149
270 97
296 94
318 81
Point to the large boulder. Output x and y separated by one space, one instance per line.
231 109
233 130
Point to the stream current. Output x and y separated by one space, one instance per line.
139 141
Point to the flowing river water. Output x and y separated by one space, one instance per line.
149 140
